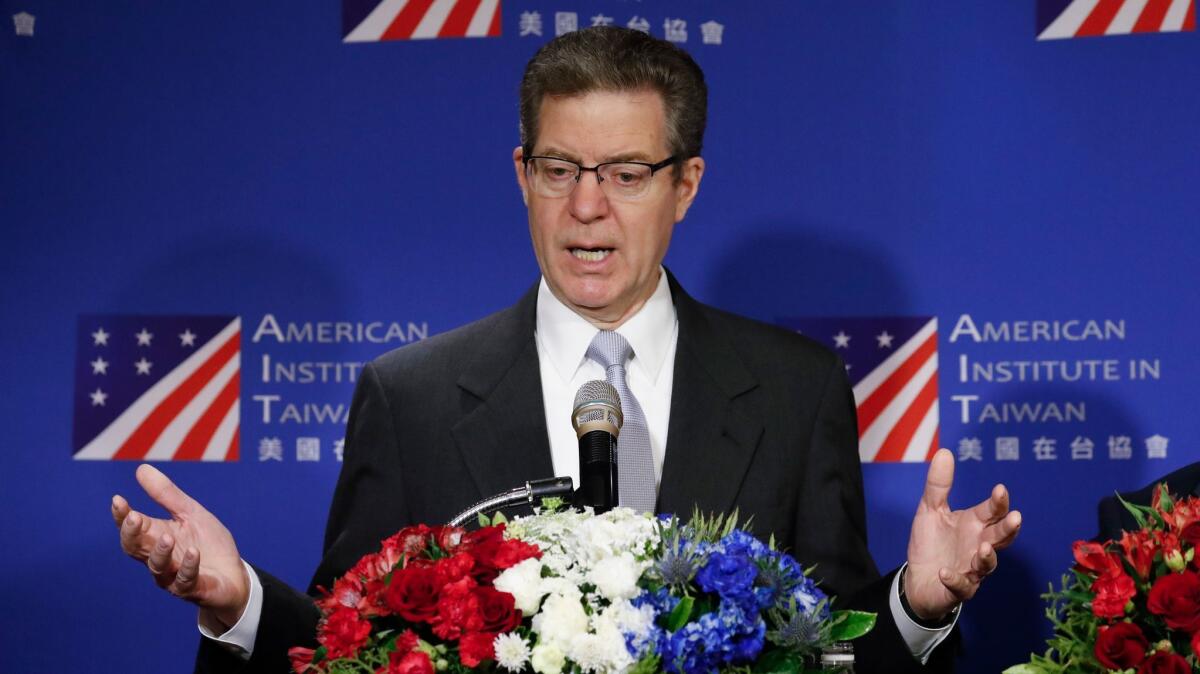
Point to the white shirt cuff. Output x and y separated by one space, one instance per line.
239 639
921 640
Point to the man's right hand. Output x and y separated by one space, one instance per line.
191 555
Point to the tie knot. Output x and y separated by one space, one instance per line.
609 348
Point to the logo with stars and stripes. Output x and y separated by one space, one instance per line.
160 388
382 20
892 365
1061 19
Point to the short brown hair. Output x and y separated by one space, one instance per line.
608 58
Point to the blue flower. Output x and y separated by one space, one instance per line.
728 575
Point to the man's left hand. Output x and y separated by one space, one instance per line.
951 551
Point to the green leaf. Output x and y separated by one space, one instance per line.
1135 510
484 520
848 625
779 661
680 615
499 518
647 665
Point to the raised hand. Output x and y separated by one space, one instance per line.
191 555
950 552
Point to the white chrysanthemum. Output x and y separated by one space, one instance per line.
547 659
601 651
524 583
561 619
616 577
512 651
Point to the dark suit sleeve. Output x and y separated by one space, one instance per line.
368 505
837 536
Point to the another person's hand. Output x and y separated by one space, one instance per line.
951 551
191 555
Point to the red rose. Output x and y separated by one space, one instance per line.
1113 590
343 633
1092 557
483 544
497 609
457 610
1139 548
1190 533
409 662
513 552
413 593
476 647
1121 646
1196 644
301 658
1165 663
1176 597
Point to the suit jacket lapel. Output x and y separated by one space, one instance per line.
710 439
503 438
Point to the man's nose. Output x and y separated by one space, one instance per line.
587 201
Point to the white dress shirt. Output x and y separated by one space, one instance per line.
562 338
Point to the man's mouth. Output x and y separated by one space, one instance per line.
591 254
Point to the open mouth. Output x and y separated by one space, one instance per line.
591 254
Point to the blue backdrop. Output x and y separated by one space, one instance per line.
864 160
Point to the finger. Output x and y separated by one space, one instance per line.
984 561
959 585
939 479
994 508
133 535
159 561
189 571
1005 532
120 509
163 490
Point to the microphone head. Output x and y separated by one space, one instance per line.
597 407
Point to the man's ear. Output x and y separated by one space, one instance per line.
519 166
688 186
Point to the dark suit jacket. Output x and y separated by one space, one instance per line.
1114 518
762 420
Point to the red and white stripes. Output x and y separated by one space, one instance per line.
1084 18
428 19
898 403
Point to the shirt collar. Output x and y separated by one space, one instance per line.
565 335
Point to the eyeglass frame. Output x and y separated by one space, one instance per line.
654 168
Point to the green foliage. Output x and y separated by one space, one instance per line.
849 625
679 616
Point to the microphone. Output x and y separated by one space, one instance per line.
532 493
597 420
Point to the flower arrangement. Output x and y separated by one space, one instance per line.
1130 605
571 592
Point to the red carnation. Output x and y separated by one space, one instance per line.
343 633
406 641
413 593
513 552
497 609
1113 590
409 662
476 647
301 658
1121 646
1176 597
1092 557
457 610
449 538
451 569
1165 663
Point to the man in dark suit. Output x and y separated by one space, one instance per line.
1113 516
759 418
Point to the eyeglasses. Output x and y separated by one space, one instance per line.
556 177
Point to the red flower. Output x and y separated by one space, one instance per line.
1121 646
1165 663
409 662
513 552
457 610
343 633
1113 590
413 593
1092 557
1139 548
301 658
406 641
451 569
476 647
1196 644
497 609
449 538
1176 597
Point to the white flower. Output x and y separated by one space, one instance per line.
547 659
616 577
512 652
524 583
602 651
561 619
634 621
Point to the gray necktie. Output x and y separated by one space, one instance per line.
635 462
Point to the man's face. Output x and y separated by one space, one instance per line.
601 255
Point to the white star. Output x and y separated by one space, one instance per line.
143 366
100 338
99 366
841 340
885 340
187 338
98 397
144 337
